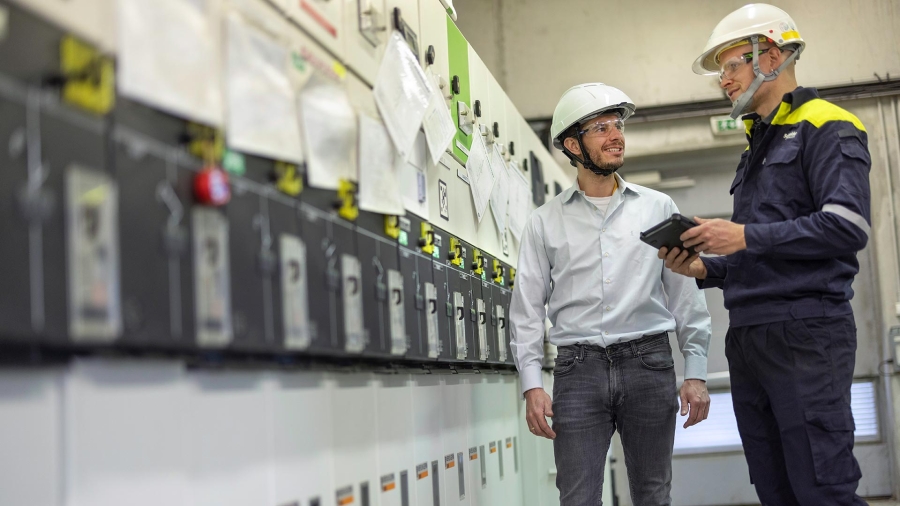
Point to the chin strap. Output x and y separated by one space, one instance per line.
587 163
743 102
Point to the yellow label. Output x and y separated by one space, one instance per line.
89 76
347 197
339 69
426 240
497 271
790 34
288 179
455 252
392 226
477 262
206 143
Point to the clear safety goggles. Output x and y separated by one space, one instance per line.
730 68
604 128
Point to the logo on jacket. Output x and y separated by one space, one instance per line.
790 135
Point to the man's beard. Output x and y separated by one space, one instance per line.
609 167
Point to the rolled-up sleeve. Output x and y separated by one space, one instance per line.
527 310
687 303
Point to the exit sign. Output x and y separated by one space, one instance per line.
725 125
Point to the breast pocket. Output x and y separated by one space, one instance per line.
781 178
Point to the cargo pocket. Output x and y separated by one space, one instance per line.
831 440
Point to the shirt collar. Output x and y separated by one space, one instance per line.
624 187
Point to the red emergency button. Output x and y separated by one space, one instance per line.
211 186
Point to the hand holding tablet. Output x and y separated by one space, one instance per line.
667 234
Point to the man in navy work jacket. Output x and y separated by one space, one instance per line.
612 304
801 213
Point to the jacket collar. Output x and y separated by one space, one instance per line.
791 100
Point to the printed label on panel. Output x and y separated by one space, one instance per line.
294 289
431 317
351 273
398 321
212 283
93 255
459 322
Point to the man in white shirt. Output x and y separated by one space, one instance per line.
612 304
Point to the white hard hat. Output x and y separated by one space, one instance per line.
764 20
586 101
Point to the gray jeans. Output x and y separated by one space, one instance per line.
630 387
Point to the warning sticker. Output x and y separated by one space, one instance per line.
509 442
473 453
493 446
388 482
422 470
345 496
449 461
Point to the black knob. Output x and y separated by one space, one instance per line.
512 148
478 108
496 129
454 85
452 255
429 55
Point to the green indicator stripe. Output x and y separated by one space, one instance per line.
458 48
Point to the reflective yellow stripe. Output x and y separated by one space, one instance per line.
817 112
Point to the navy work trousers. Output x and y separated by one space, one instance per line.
790 384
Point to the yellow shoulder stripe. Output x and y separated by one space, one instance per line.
816 111
748 126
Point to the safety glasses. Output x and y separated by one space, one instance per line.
604 128
730 68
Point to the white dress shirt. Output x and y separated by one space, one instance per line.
588 271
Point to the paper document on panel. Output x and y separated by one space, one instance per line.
402 93
481 178
168 57
413 180
328 123
519 201
500 193
379 186
438 124
262 108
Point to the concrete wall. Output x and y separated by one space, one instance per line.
647 47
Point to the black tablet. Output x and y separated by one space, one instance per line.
668 233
